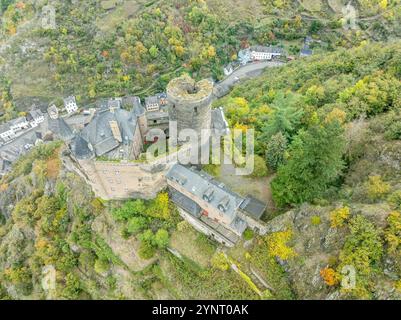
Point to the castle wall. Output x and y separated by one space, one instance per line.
126 180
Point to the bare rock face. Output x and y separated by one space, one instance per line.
316 243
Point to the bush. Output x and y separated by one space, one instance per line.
161 239
395 200
260 168
136 224
220 262
248 234
376 187
146 250
316 220
339 216
102 266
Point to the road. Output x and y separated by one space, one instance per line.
246 72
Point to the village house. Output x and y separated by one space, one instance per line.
259 53
53 112
6 132
35 117
211 207
70 105
19 124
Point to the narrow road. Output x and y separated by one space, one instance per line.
246 72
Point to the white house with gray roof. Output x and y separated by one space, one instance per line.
212 208
70 104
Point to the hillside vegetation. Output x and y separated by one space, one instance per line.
113 48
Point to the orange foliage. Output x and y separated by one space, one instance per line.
329 276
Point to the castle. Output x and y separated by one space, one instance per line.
108 150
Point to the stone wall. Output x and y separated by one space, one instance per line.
189 103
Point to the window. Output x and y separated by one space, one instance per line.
196 109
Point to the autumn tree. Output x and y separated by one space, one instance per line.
314 163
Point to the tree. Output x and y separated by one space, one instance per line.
129 209
260 168
315 162
146 250
275 151
161 239
286 116
330 276
137 224
153 51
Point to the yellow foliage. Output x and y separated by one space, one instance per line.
336 114
339 216
277 245
393 232
376 187
219 261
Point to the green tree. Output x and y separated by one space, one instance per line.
161 239
137 224
286 116
315 162
275 150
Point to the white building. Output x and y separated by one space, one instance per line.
6 133
53 112
259 53
19 124
35 117
70 105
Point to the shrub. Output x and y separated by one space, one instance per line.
102 266
161 239
330 276
146 250
316 220
393 233
376 187
220 262
395 200
339 216
136 224
277 245
248 234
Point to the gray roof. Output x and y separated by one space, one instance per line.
5 127
253 207
185 203
34 114
99 134
69 100
17 121
270 49
61 129
306 51
80 148
200 183
152 100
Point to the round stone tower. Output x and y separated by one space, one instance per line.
190 103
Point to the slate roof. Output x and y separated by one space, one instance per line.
99 134
80 148
253 207
34 114
5 127
198 183
270 49
61 129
